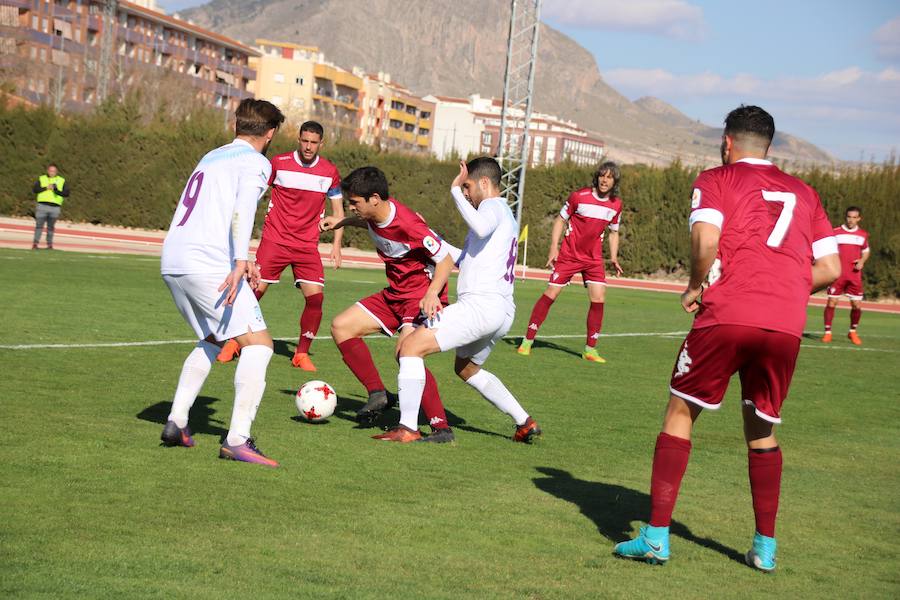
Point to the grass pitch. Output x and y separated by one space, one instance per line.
94 507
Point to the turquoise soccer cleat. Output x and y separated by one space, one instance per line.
762 555
653 550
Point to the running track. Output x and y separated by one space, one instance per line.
16 233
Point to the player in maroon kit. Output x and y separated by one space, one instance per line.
301 180
765 228
588 213
412 253
853 244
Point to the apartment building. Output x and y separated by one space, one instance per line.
52 49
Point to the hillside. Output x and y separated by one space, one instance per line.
459 48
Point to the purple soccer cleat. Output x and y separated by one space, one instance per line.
246 452
173 435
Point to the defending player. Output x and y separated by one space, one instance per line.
586 215
484 309
411 253
853 245
301 180
767 228
204 263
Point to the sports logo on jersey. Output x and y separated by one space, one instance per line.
695 198
683 366
431 244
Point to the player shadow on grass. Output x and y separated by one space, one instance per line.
540 344
346 409
284 348
613 508
201 420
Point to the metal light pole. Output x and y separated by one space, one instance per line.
518 90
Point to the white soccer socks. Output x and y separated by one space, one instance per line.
496 393
249 385
193 375
410 385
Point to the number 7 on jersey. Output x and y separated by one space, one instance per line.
784 219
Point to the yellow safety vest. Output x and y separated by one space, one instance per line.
49 195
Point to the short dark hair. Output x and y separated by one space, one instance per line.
52 165
365 182
485 166
256 117
312 127
750 124
851 209
611 168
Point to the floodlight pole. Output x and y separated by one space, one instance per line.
513 148
107 41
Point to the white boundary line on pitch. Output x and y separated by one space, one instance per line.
660 334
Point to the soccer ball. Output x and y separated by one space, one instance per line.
316 401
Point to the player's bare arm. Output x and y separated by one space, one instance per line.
253 275
431 301
704 246
825 270
337 211
233 280
614 251
463 175
333 223
859 262
555 234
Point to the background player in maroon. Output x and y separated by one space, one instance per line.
586 215
766 228
301 180
853 245
411 253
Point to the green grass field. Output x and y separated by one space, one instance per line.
94 507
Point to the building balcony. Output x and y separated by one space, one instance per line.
402 115
423 140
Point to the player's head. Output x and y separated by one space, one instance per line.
257 120
365 189
52 170
748 133
606 179
483 180
853 215
309 140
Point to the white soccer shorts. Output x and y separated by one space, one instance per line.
203 306
473 325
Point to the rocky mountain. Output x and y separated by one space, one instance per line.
459 48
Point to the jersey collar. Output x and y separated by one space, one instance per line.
755 161
243 142
300 162
390 218
848 230
598 198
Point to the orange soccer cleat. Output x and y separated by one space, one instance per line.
229 351
827 337
527 431
400 433
853 337
301 361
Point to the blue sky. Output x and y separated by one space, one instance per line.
828 71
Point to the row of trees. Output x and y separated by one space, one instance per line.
128 168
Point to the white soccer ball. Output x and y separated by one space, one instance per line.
316 401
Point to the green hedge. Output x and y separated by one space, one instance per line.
125 169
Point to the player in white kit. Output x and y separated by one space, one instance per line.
205 265
484 309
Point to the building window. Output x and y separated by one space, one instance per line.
298 80
425 114
411 110
397 105
424 131
279 77
486 138
396 124
410 127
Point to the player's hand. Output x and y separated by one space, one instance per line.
463 175
430 305
336 256
253 275
233 280
856 265
690 299
618 267
327 224
551 258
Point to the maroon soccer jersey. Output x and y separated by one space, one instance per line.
588 216
298 199
852 244
772 227
409 250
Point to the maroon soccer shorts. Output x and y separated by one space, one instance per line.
849 286
564 270
709 357
306 263
393 313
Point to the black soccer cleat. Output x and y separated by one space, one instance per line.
440 436
379 401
